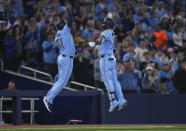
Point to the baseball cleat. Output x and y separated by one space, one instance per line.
47 105
122 106
114 106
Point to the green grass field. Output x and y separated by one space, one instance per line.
97 128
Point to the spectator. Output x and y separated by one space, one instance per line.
139 17
141 50
50 54
160 10
179 78
101 9
152 18
171 59
18 48
159 38
82 18
129 77
155 59
145 62
97 74
7 105
150 83
12 18
9 42
90 30
120 32
180 58
31 20
140 4
123 49
2 37
43 31
165 76
11 85
126 17
178 38
82 65
130 53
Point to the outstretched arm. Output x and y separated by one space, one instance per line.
98 41
69 16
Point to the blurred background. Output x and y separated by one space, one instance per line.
150 43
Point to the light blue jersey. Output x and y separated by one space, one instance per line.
65 41
107 46
108 70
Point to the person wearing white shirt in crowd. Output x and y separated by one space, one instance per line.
178 38
140 51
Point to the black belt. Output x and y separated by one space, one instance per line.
65 56
104 55
108 59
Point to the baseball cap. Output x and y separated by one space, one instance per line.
148 68
2 22
170 49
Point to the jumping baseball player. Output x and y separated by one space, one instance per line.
65 43
108 65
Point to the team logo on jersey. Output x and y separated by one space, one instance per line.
59 42
103 36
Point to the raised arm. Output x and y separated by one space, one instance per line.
98 41
69 16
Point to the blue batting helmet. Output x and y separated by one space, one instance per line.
60 24
108 23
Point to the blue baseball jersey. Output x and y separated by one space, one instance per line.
65 42
106 46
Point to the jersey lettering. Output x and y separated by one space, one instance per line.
60 42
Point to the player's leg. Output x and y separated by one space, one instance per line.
117 87
107 78
65 66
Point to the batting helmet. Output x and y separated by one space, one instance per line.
60 24
108 23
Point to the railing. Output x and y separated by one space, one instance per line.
35 72
31 78
86 87
32 110
2 65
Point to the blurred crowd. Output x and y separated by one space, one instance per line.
150 40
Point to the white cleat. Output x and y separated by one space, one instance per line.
122 106
47 105
113 108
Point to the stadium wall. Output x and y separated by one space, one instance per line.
92 108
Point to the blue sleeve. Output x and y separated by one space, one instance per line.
66 28
69 18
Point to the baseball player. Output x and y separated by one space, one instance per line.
65 43
107 65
